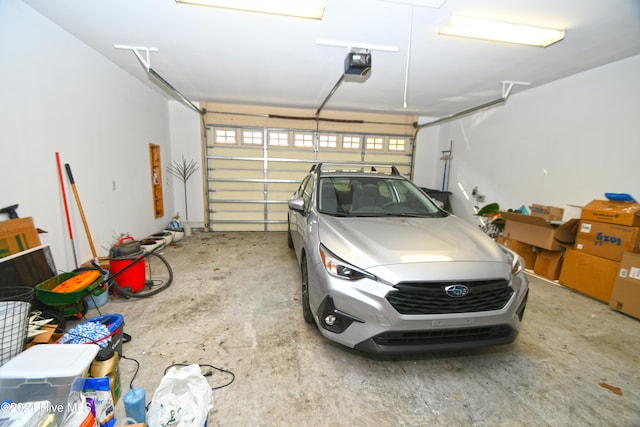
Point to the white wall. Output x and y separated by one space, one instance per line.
59 95
186 142
564 143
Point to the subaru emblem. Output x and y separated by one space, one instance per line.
456 291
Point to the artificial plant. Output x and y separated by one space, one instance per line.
183 171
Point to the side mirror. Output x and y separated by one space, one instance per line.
296 204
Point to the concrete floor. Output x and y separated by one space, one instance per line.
235 304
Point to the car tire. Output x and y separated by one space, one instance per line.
306 307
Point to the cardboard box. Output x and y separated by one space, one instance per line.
16 235
589 274
47 335
549 263
548 213
536 231
625 296
526 251
623 213
607 240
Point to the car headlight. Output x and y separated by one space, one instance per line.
340 268
517 263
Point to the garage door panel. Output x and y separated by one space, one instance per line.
277 209
288 155
235 151
233 226
284 187
333 157
239 215
231 164
256 197
283 177
222 185
231 174
249 187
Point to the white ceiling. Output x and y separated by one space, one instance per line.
229 56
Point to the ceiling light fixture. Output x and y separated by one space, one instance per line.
501 31
312 9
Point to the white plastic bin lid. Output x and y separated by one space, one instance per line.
50 361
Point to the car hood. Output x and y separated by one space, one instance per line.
374 242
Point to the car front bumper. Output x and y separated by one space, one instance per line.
358 315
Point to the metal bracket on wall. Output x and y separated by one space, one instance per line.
507 87
157 78
138 50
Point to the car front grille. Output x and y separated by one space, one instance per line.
444 336
431 298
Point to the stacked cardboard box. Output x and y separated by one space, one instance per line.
540 238
625 296
17 235
529 253
606 231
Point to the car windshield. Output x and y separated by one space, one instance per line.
373 196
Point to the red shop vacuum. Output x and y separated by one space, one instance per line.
127 261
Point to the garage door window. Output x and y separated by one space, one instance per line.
328 141
351 142
252 137
225 136
279 139
303 140
374 143
397 144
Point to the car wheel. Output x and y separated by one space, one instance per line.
306 308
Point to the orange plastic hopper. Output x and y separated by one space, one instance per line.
77 282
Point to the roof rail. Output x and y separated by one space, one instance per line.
374 168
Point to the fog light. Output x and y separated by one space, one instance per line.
334 320
330 320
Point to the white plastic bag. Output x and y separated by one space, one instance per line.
183 399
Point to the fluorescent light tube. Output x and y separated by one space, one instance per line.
313 9
501 31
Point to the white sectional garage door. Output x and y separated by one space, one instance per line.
253 170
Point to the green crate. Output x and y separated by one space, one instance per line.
46 296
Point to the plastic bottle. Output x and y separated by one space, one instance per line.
135 404
105 364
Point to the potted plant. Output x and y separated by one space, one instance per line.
183 171
492 220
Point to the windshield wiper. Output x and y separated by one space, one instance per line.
408 215
338 214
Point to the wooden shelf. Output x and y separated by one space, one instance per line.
156 180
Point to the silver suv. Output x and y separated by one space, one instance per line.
386 270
